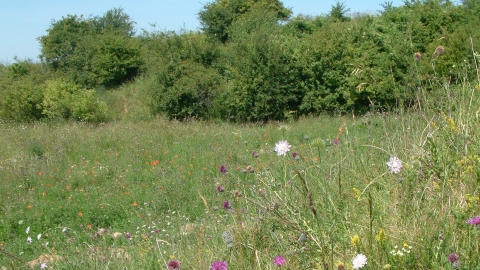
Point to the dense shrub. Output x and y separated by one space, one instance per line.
115 59
63 99
312 65
163 48
187 90
21 91
94 51
267 67
185 81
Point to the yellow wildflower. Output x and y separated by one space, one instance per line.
356 241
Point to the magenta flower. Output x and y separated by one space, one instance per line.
255 153
226 205
219 265
173 265
453 257
336 141
474 221
279 260
220 188
223 169
128 235
454 260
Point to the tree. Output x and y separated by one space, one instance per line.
217 17
62 40
93 51
339 12
115 20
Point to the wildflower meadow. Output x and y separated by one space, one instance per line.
317 143
392 190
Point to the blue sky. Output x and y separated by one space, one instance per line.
23 21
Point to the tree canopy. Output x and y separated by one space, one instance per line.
216 17
93 51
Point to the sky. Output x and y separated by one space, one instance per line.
23 21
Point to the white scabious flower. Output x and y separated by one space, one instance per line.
282 147
394 164
359 261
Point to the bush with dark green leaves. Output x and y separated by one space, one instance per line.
185 70
93 51
188 90
355 68
267 70
218 16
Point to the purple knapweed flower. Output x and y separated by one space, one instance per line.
220 188
226 205
453 257
128 236
255 154
454 260
336 141
474 221
279 260
296 155
173 265
223 169
219 265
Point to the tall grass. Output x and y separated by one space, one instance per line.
138 194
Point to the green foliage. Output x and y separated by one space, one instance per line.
216 17
162 49
312 65
59 46
187 90
302 24
339 12
63 99
267 70
116 58
94 51
185 83
115 21
21 91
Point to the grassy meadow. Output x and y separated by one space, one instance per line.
142 192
